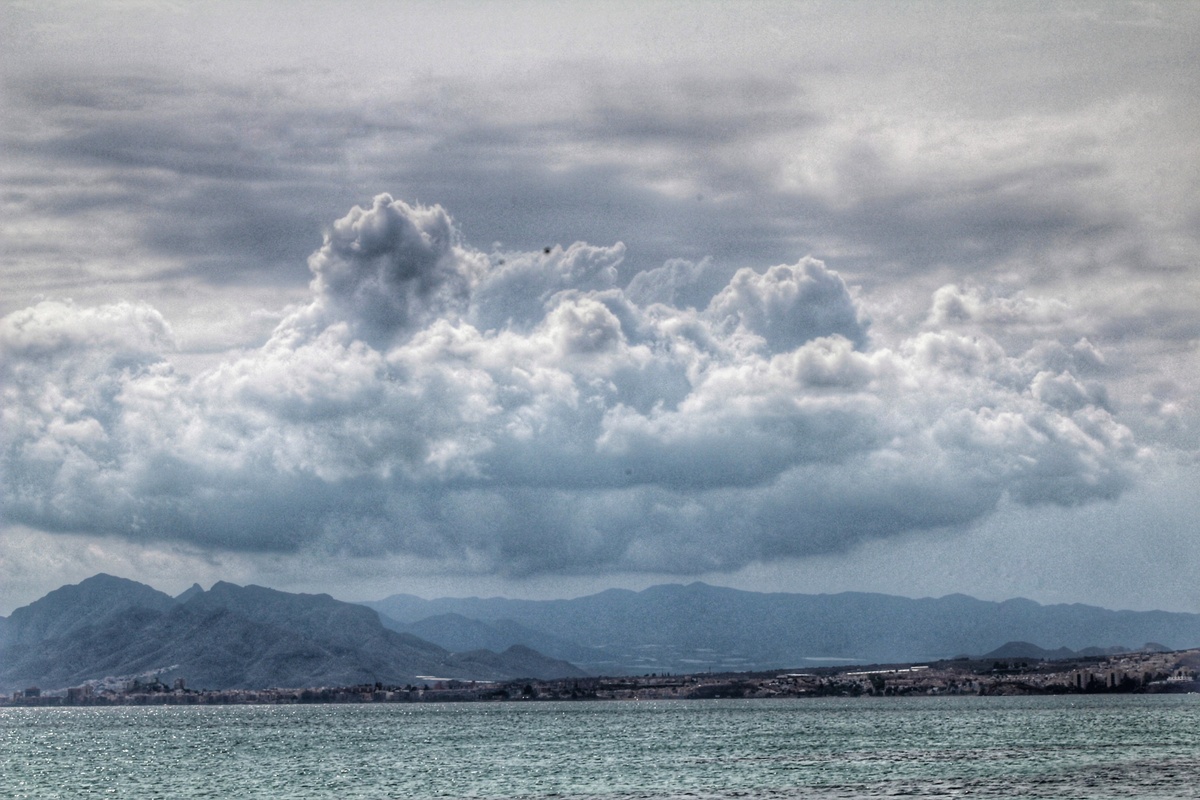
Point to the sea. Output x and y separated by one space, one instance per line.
1079 747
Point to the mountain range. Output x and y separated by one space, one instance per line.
698 627
253 637
1031 652
230 637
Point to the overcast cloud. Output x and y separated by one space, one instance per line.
545 300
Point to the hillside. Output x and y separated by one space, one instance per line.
229 637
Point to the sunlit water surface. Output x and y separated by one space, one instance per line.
1033 747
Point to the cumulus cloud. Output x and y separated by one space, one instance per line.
678 283
392 267
518 285
789 305
958 305
52 329
72 379
524 412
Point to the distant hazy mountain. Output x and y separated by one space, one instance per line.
460 634
229 637
697 627
1028 650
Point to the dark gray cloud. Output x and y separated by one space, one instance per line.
696 113
231 181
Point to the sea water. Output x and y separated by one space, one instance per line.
1127 746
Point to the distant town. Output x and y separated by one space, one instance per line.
1149 672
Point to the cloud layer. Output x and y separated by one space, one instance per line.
526 412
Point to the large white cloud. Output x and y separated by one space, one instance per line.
523 413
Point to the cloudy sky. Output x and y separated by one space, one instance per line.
537 299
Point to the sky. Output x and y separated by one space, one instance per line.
538 299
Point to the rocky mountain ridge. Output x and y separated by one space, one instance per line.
229 637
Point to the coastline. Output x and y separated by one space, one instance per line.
1128 673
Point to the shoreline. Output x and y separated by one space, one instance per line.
1128 673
